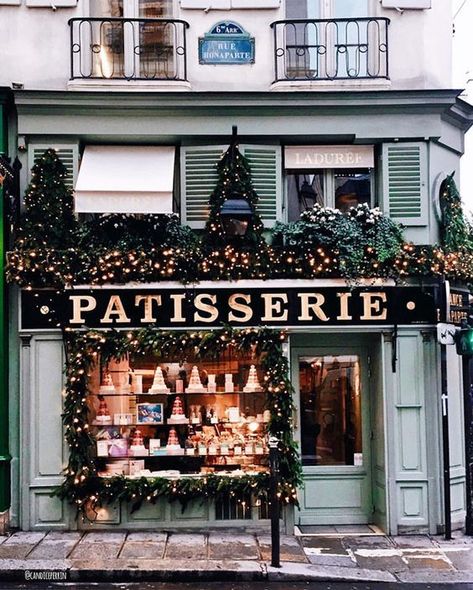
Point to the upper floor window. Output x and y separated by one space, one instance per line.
133 9
327 8
331 176
129 39
331 39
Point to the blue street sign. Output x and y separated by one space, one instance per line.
226 43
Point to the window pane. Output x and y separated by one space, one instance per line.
303 191
350 8
106 8
157 41
154 9
107 39
330 393
352 188
301 9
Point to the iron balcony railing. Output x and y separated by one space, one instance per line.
128 48
331 49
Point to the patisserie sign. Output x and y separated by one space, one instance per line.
213 307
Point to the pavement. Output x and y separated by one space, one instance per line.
120 556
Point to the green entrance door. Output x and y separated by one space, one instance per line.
334 435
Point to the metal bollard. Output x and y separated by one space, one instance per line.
274 501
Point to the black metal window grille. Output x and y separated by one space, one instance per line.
128 48
331 49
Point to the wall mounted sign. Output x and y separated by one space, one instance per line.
226 43
213 307
329 156
458 305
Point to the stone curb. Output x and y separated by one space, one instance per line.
163 570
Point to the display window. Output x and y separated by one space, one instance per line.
179 416
151 414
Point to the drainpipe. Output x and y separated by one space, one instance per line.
5 457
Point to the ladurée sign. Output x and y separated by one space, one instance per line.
211 307
332 156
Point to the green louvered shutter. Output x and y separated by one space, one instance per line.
199 176
405 182
67 153
265 164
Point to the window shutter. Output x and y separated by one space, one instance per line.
265 164
407 4
67 153
199 177
405 182
51 3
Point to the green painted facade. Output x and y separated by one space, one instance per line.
399 487
5 457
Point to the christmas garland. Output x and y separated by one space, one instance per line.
58 269
87 491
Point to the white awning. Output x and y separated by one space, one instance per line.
125 179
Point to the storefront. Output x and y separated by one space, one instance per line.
184 384
178 349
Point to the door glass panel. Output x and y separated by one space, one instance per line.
156 40
330 393
107 39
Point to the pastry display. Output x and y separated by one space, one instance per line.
224 431
107 387
195 384
159 386
137 447
173 441
177 413
229 387
103 414
252 384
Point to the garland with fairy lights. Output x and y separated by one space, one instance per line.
455 230
85 489
52 249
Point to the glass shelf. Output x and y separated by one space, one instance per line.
238 392
196 424
179 454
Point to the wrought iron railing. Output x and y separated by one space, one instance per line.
128 48
331 49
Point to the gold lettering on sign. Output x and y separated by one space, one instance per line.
457 315
311 308
246 311
115 308
78 308
177 299
372 306
344 315
456 299
273 305
148 307
211 310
